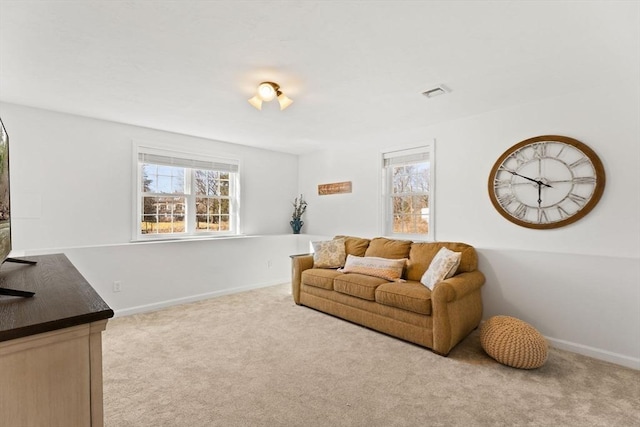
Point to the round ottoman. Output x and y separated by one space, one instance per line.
513 342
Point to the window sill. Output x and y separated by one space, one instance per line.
188 238
412 237
209 237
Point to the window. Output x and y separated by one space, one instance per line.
185 195
408 193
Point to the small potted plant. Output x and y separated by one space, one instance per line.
299 206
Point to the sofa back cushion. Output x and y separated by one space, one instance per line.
354 245
382 247
421 255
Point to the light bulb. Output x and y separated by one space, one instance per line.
266 91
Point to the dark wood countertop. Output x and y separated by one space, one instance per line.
63 298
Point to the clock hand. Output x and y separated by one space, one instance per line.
539 194
530 179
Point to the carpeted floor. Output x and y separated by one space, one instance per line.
257 359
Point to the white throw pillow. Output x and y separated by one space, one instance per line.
443 266
390 269
329 254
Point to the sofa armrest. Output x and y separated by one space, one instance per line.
458 286
299 263
457 309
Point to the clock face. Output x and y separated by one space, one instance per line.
546 182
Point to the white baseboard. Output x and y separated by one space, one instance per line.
596 353
193 298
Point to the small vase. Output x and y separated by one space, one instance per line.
296 224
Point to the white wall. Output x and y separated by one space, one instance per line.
580 284
72 185
154 275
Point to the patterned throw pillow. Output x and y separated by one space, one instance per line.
329 254
390 269
443 266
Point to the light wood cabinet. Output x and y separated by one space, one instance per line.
51 361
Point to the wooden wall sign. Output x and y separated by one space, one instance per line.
334 188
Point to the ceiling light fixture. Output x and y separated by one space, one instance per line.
266 92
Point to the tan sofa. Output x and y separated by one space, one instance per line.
437 319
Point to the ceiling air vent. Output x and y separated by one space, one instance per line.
436 91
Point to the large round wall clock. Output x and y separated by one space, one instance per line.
546 182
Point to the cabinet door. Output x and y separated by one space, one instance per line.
45 379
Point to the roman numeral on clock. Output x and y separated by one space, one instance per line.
563 214
581 161
542 216
540 150
501 183
584 180
521 211
578 200
506 199
520 158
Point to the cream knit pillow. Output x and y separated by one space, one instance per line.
443 266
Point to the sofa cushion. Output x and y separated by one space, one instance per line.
388 248
320 277
443 266
358 285
329 253
422 254
354 245
411 296
389 269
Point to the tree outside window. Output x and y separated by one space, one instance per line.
410 198
408 193
212 200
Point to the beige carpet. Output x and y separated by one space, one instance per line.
257 359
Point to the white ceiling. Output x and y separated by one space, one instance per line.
355 69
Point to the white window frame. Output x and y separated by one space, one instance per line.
192 162
398 156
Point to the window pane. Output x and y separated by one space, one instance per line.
399 180
418 203
202 215
422 176
207 182
412 178
162 179
201 206
411 224
147 172
224 188
212 214
162 215
224 222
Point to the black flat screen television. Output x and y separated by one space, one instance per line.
5 196
5 212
